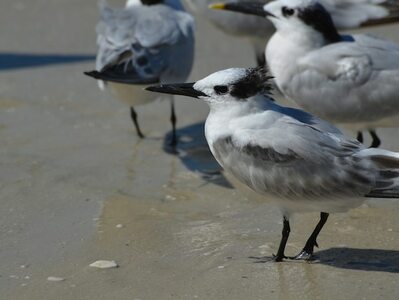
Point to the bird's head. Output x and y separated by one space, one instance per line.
235 85
302 16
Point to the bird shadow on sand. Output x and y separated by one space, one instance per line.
11 61
377 260
192 149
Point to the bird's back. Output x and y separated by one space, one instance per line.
352 81
148 36
304 162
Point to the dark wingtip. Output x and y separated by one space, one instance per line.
94 74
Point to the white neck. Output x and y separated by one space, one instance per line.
285 48
222 114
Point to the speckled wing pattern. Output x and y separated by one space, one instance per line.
296 160
134 43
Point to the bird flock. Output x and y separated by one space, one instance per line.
296 158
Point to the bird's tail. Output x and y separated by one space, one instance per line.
387 163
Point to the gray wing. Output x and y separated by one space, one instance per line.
293 159
354 13
355 61
135 44
348 78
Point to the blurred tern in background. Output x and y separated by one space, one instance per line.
345 13
140 45
304 163
351 80
255 30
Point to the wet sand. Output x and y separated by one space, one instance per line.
77 185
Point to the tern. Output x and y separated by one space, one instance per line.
350 80
139 45
295 159
346 14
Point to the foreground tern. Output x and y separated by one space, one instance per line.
304 163
139 45
345 13
352 80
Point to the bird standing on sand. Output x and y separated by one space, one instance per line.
305 163
351 80
139 45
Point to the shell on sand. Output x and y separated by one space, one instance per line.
104 264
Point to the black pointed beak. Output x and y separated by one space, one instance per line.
184 89
250 8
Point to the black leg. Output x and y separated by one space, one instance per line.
376 141
260 59
173 121
284 238
307 251
359 137
133 115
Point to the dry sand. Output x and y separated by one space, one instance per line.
77 186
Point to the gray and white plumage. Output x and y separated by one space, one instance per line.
295 159
307 163
345 13
139 45
344 82
352 80
146 39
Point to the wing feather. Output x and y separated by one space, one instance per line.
135 42
303 162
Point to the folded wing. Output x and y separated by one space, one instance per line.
136 43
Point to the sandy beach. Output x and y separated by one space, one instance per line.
77 186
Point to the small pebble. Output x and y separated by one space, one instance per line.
55 279
104 264
220 267
170 198
119 226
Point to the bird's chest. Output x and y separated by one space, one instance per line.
282 56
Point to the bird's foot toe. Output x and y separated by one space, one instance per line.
279 258
303 255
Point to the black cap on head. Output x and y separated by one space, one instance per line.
318 17
257 81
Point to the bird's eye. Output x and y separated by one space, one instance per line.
287 11
221 89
